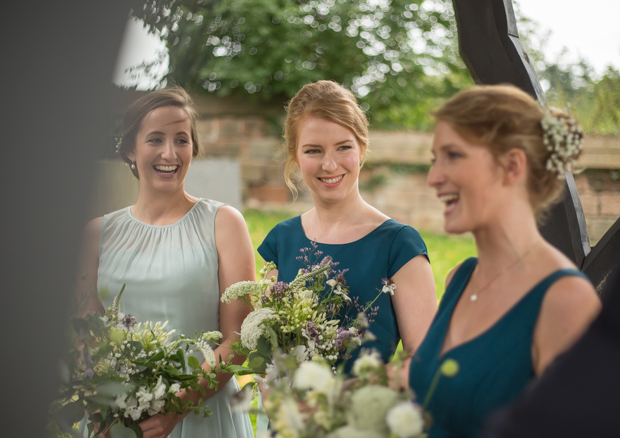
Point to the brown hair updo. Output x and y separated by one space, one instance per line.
501 118
326 100
173 96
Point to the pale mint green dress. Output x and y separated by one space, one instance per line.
171 274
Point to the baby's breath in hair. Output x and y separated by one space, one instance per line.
563 138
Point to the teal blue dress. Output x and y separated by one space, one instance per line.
494 367
171 274
378 255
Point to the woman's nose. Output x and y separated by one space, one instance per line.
435 176
329 163
169 152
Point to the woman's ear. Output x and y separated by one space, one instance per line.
514 163
131 155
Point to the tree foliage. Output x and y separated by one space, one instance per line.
397 56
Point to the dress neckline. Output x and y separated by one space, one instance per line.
131 216
303 232
493 326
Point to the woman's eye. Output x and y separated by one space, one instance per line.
344 147
453 155
311 151
183 141
154 140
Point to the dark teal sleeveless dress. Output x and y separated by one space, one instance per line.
494 368
378 255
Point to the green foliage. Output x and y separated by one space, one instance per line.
398 56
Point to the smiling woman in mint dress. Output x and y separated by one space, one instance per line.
175 253
509 312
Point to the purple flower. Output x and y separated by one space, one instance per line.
128 321
89 373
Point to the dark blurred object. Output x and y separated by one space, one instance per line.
579 394
490 47
57 60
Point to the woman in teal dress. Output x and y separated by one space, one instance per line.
499 160
175 253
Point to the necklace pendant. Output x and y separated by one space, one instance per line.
474 297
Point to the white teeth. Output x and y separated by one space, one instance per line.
448 197
166 168
331 180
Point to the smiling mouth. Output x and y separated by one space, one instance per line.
168 170
449 199
332 180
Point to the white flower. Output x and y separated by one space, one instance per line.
289 421
211 336
300 354
156 407
120 401
175 387
351 432
159 391
312 375
207 352
252 329
144 397
331 282
240 290
366 363
388 286
369 406
132 409
405 420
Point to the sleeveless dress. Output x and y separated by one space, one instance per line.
494 367
378 255
171 274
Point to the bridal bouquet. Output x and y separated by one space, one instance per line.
309 400
128 371
301 318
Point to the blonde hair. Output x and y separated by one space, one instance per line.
326 100
501 118
137 111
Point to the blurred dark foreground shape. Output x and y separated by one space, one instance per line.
56 66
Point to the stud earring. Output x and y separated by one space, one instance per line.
133 165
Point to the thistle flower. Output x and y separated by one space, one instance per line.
369 406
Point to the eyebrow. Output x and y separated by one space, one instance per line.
318 145
163 133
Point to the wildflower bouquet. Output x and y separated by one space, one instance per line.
301 318
128 371
310 400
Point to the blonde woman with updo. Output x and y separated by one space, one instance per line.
499 159
327 138
175 253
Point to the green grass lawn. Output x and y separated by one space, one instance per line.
444 251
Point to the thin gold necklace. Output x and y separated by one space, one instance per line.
474 296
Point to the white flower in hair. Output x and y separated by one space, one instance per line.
563 138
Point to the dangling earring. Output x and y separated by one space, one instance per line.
133 165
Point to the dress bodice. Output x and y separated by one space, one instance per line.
494 367
376 256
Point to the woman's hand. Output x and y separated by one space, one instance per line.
159 425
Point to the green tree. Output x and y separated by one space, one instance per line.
397 56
